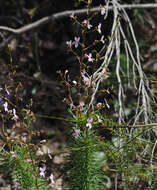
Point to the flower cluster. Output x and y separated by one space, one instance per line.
90 58
86 79
75 42
5 96
81 106
43 173
87 24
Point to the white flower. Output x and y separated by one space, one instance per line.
103 11
99 28
87 24
42 171
52 178
48 151
89 123
108 106
74 82
102 39
69 43
76 133
15 117
5 105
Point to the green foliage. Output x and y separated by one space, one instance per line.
84 165
23 169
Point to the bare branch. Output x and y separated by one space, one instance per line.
65 14
62 15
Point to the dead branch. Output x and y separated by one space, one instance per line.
61 15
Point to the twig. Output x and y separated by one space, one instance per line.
62 15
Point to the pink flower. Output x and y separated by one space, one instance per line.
87 24
86 80
71 105
90 59
16 186
76 133
52 178
12 155
81 106
42 171
89 123
99 28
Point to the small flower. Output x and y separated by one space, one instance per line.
66 71
99 120
15 117
87 24
76 133
52 178
5 105
103 11
89 123
42 171
39 152
16 186
86 80
99 105
12 155
90 59
74 82
28 160
99 28
102 39
71 105
59 72
48 151
76 42
69 43
81 106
